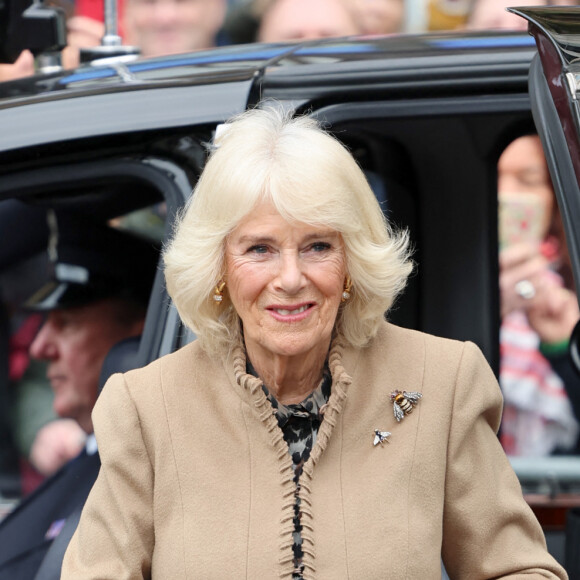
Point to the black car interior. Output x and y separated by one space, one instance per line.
449 207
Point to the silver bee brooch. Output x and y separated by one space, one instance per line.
403 402
381 437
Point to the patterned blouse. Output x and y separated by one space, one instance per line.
299 424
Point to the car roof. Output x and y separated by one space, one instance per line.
317 66
114 97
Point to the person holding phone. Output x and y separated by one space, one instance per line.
538 307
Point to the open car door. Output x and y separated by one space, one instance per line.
554 85
555 93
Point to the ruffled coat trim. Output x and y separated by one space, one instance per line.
253 385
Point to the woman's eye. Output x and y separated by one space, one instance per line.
258 249
320 246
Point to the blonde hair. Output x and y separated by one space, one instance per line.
266 155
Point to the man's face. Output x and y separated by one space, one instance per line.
164 27
75 341
306 19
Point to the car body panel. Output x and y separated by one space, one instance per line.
110 114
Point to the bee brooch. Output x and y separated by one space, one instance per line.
381 437
403 402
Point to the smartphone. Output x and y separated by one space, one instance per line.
522 218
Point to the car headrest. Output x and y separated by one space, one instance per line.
121 358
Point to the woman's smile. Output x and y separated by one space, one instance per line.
291 313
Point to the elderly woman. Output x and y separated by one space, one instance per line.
301 435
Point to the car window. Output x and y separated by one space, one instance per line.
450 211
140 195
26 391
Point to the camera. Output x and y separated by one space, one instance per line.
30 24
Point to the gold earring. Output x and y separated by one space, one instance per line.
347 289
217 293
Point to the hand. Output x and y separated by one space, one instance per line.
82 32
554 314
521 262
55 444
553 310
23 66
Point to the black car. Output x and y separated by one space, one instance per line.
426 116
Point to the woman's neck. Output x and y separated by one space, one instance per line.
289 378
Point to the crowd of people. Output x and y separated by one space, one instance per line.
165 27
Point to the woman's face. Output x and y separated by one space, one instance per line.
285 282
522 172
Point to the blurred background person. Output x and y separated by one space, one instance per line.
285 20
165 27
378 16
44 441
156 27
539 308
22 264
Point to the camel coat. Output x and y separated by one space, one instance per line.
196 479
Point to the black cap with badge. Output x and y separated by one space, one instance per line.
89 261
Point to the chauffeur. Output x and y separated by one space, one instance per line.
95 296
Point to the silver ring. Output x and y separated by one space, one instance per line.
525 289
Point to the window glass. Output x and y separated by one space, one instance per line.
39 432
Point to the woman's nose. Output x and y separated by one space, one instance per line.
290 276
